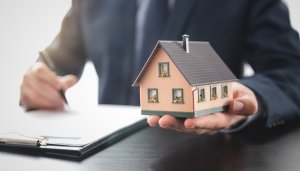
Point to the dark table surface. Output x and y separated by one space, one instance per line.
160 149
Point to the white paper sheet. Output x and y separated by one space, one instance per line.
75 127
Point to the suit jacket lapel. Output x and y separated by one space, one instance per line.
178 17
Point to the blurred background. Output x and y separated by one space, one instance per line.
27 27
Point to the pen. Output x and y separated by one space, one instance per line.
47 60
63 96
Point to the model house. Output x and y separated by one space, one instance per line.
184 79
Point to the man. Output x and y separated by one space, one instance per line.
118 36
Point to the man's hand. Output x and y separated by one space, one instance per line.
244 104
40 88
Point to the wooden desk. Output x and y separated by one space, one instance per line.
158 149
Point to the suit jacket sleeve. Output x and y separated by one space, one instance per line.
67 50
273 52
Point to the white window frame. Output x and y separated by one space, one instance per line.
211 92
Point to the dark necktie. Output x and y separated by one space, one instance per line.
150 25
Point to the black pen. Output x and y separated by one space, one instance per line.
63 96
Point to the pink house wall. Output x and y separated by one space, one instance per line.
164 85
209 104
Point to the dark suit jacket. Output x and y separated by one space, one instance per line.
253 31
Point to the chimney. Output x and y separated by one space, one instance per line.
185 43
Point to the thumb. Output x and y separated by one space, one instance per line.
244 106
68 81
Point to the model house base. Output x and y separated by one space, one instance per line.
186 114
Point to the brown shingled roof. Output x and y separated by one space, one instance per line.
201 66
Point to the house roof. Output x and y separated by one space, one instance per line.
201 66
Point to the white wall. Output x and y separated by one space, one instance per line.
27 26
294 13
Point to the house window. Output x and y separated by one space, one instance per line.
164 69
201 94
152 95
177 95
213 93
224 91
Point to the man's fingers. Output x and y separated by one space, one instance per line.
245 102
39 94
41 87
205 124
68 81
168 121
206 131
33 99
45 74
212 121
153 120
44 90
244 106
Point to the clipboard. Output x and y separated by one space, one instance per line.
120 121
